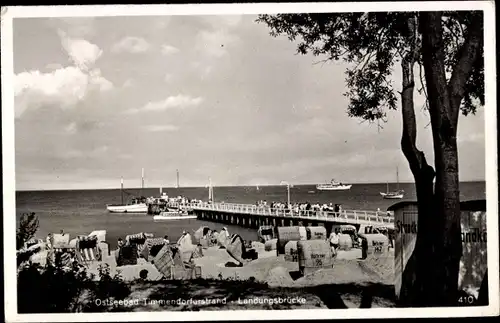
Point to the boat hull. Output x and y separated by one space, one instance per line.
173 217
132 208
334 188
392 196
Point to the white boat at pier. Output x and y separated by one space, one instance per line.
333 186
136 205
173 215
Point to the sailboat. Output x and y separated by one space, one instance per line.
397 194
136 204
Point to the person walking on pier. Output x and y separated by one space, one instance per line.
334 242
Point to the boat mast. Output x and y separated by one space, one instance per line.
142 181
121 189
210 190
177 171
397 178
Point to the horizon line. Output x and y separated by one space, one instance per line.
204 186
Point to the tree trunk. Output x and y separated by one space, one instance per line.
444 223
415 278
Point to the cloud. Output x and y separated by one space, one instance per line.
178 101
82 53
134 45
63 87
169 50
161 128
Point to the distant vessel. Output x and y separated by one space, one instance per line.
136 205
397 194
173 214
333 186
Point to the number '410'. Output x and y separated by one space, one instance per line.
466 300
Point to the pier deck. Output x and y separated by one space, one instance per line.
259 213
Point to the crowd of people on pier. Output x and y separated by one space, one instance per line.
304 208
300 208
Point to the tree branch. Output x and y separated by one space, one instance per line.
426 104
461 73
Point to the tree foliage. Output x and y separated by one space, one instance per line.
372 43
28 225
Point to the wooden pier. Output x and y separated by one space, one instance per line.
253 216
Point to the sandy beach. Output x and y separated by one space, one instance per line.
270 268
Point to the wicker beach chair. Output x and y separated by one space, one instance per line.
87 250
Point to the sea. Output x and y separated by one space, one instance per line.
79 212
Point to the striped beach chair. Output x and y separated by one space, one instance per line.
138 240
32 242
87 250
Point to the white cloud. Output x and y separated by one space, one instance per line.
82 53
161 128
134 45
178 101
63 87
169 50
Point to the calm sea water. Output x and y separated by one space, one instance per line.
82 211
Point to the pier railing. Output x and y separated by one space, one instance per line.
348 216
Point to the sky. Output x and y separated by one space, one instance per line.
97 99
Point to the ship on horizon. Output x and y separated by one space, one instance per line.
333 186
